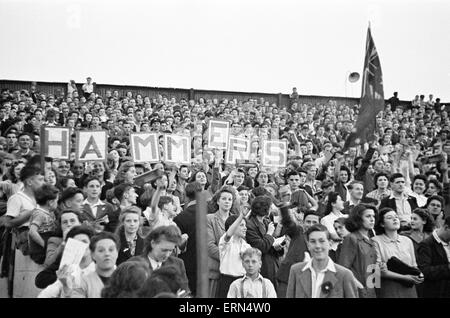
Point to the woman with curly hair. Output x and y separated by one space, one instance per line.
131 243
333 211
50 177
224 200
389 244
262 179
381 181
357 251
213 206
201 177
126 173
434 187
12 183
422 225
127 279
244 198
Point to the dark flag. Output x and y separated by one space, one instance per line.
372 97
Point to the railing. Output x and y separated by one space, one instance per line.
56 88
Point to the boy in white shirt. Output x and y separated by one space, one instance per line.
162 210
164 214
252 285
231 245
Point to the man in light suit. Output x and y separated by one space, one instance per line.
320 277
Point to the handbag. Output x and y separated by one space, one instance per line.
397 266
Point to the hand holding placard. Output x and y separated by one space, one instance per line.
66 278
73 252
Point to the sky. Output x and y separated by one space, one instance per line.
262 46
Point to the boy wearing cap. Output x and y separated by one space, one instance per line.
303 136
155 123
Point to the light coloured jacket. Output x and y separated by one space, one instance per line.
55 290
90 287
215 231
343 283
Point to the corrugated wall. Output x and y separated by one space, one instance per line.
178 93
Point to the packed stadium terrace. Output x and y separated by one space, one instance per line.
98 220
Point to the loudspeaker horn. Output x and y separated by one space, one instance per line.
353 77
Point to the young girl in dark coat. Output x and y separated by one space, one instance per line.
131 243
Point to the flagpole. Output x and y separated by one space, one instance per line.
201 245
346 79
43 140
372 95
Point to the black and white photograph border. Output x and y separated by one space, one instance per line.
214 151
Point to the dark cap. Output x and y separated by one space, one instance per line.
155 120
121 146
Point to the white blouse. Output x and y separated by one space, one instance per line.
402 248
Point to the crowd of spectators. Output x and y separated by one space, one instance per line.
382 204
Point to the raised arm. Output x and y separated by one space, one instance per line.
155 200
366 162
296 143
289 226
265 243
314 204
232 229
216 179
